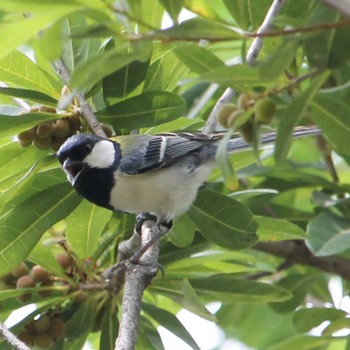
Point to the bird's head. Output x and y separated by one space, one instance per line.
82 152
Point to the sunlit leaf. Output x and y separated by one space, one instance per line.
223 220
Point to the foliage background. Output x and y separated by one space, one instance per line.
137 75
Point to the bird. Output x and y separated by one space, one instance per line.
153 176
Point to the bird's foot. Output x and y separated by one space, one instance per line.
142 217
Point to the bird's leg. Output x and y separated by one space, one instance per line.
142 217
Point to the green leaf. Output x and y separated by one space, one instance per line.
249 14
328 234
22 227
19 71
197 58
84 227
276 64
23 183
302 342
173 7
223 220
182 233
296 284
79 325
27 27
272 229
198 28
107 62
31 95
148 109
170 322
109 328
306 319
237 76
165 72
292 114
12 125
331 114
235 290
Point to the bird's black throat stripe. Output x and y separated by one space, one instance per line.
95 184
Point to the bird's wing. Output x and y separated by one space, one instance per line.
148 153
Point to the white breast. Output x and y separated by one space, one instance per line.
166 192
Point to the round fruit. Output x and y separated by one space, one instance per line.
26 337
61 128
20 270
224 113
247 131
74 123
64 260
43 341
234 119
57 328
44 130
39 274
25 138
43 143
245 101
43 324
56 143
25 282
265 109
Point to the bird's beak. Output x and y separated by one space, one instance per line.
72 168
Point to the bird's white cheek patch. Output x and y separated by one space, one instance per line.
101 156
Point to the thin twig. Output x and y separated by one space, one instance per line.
11 339
85 108
297 252
256 45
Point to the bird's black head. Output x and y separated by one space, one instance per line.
89 162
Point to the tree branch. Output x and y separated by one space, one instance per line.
296 252
137 277
257 43
11 339
85 108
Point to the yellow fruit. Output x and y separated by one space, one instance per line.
265 110
224 113
44 130
61 128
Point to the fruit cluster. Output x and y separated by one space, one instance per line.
50 134
42 332
241 117
23 277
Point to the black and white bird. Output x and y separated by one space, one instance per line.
157 174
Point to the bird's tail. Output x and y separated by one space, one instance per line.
238 144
